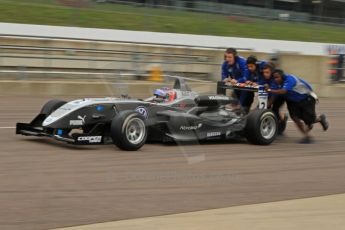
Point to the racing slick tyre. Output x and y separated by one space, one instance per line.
51 106
128 130
261 127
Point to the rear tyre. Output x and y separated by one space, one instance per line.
261 127
128 130
51 106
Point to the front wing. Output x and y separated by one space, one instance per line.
91 138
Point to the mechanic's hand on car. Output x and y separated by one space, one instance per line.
226 79
233 81
251 83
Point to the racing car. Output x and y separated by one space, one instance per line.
180 115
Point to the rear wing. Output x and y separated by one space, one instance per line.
262 95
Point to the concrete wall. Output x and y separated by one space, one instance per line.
104 56
115 58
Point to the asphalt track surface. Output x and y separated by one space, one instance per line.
45 184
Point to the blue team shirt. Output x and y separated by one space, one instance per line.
238 70
289 84
257 76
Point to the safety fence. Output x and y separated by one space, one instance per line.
236 10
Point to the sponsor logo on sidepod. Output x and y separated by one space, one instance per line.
218 98
213 134
194 127
143 111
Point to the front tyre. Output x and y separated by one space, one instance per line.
128 130
261 127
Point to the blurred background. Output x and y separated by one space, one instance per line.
71 49
103 56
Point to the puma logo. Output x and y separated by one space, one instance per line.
82 118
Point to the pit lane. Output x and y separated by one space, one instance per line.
45 184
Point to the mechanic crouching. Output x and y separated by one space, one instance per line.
300 100
234 70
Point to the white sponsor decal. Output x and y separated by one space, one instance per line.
81 121
218 98
91 139
143 111
194 127
75 122
186 93
213 134
263 98
82 118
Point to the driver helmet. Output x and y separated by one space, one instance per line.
165 93
160 93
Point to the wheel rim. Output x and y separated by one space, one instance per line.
135 131
268 127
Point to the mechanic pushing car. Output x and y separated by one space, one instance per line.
275 102
255 67
255 76
234 70
300 100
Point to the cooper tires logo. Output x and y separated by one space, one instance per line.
91 139
143 111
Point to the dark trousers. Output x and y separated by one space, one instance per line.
277 104
245 98
304 110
